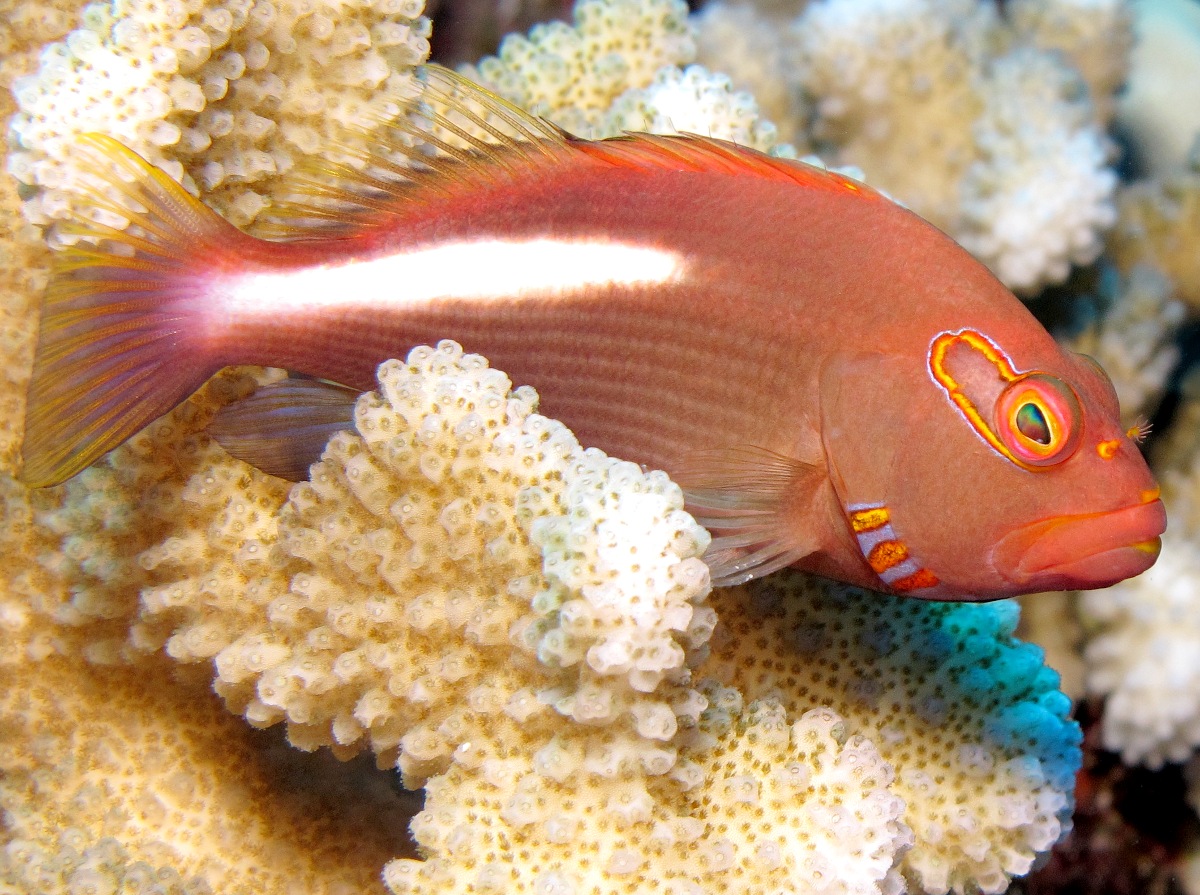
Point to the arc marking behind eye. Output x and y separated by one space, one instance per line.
1038 414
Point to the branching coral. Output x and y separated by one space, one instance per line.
970 719
1096 35
756 51
399 582
572 75
1142 656
692 101
771 803
1157 226
1145 638
1134 338
222 96
1000 149
515 621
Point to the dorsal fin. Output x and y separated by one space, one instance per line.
459 135
454 133
693 152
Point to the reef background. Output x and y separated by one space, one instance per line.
1114 270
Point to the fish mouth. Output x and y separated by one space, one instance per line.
1084 551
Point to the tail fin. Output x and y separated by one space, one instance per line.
124 337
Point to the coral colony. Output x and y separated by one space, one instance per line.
518 624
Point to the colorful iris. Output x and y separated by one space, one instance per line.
1038 419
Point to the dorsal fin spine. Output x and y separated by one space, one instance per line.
514 142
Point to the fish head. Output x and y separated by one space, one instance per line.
1101 516
993 481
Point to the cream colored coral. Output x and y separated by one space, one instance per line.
1135 340
134 780
1157 225
998 149
1040 194
399 581
82 539
756 51
970 720
1144 639
872 716
1142 656
691 101
1096 35
23 277
771 804
572 74
24 27
223 96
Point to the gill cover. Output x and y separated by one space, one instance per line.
1032 418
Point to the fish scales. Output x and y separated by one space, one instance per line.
748 289
793 347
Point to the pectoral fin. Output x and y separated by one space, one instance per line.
756 502
282 428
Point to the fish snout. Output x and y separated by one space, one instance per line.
1084 551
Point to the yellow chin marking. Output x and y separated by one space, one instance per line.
1152 546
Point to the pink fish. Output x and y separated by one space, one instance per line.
834 382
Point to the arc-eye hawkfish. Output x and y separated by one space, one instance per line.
834 382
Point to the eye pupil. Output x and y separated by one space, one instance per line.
1031 423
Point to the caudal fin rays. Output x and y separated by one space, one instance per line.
122 337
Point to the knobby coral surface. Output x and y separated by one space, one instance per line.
569 737
110 785
521 625
224 96
995 141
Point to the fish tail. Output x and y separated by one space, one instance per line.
124 332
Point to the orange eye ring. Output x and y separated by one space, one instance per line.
1038 418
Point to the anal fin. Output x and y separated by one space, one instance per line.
283 427
754 501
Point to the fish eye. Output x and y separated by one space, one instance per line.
1038 418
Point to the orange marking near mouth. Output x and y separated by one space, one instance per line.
1151 494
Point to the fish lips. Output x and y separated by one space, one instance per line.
1084 551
